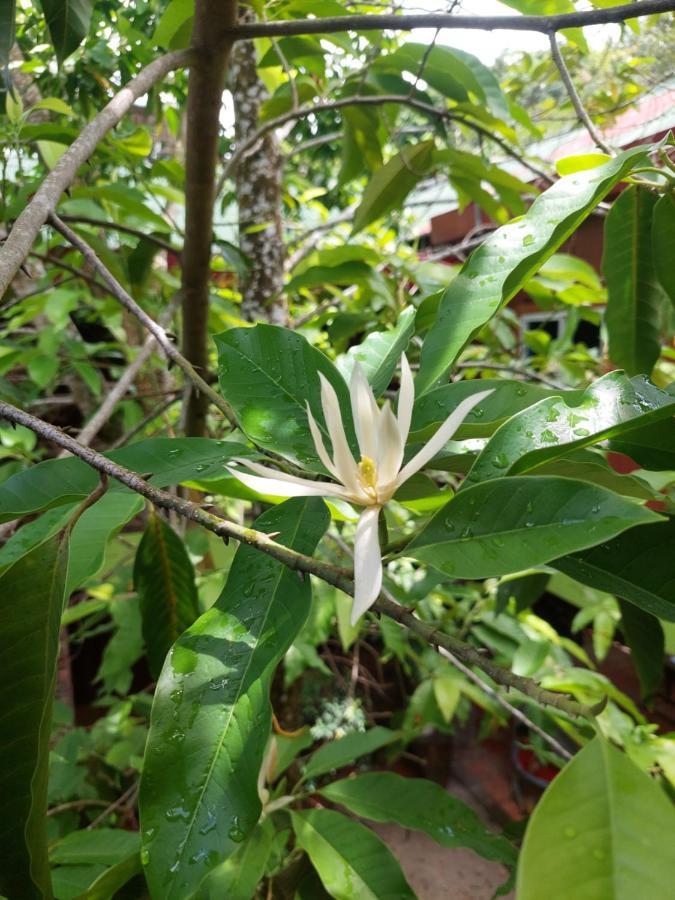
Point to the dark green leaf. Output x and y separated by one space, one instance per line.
511 524
525 590
164 579
339 753
31 597
113 879
638 566
348 272
421 805
634 295
602 829
68 24
644 635
174 29
352 862
211 715
611 406
663 241
268 374
498 269
238 877
653 446
380 352
391 184
7 27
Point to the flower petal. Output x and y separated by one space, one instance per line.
343 460
390 447
280 484
319 444
406 399
367 563
442 436
364 411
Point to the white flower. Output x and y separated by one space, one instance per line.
373 480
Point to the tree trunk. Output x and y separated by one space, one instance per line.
258 180
205 90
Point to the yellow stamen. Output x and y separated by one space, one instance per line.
368 472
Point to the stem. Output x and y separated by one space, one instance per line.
299 562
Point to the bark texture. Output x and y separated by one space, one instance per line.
258 181
205 90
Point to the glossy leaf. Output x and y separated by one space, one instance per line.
644 635
652 447
380 352
211 715
238 877
637 566
663 241
422 806
164 580
268 374
31 597
338 753
602 829
611 406
352 862
68 24
634 295
164 460
497 270
391 184
511 524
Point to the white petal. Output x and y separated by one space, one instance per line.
280 484
390 447
406 399
364 411
345 466
319 444
442 436
367 563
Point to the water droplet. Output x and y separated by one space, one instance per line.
449 525
201 466
595 509
478 412
521 391
549 437
528 240
177 737
529 524
176 695
529 507
175 452
145 856
235 833
581 432
570 832
210 824
175 867
178 812
501 461
553 414
217 684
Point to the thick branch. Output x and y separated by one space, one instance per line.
26 228
293 560
579 107
544 24
155 329
205 91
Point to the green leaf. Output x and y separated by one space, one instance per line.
348 272
109 882
421 805
497 270
602 829
663 241
380 352
644 635
342 752
568 165
352 862
103 845
524 590
68 24
7 29
652 446
391 184
508 524
164 579
634 295
268 374
166 460
174 29
506 399
611 406
238 877
31 599
211 715
637 566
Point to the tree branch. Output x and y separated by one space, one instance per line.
579 107
544 24
26 228
124 229
155 329
293 560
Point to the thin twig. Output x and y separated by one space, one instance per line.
139 426
123 229
156 330
579 107
109 810
299 562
